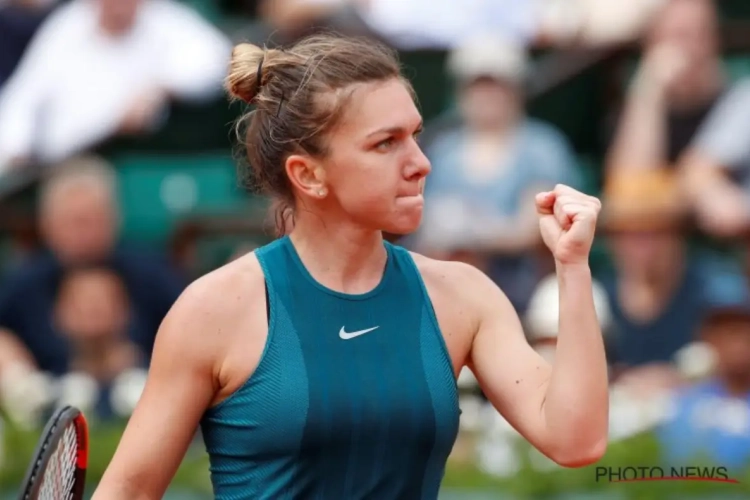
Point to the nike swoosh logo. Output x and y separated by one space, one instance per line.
350 335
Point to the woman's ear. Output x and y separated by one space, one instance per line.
307 176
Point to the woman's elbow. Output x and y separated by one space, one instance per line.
578 454
123 489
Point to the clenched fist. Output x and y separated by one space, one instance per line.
567 220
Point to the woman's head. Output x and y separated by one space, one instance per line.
332 131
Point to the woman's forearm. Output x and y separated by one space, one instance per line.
576 407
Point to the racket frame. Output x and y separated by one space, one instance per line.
50 438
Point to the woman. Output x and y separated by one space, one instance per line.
323 365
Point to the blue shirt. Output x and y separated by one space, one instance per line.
705 422
538 156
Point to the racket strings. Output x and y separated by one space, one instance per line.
59 476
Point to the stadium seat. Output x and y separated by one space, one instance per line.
158 190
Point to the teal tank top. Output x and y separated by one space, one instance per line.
354 397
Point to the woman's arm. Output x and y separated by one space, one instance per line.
563 409
182 383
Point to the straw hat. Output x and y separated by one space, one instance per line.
642 199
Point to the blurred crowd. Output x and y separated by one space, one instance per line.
78 317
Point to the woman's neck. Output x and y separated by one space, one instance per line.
339 255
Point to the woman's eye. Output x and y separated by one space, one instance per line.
386 144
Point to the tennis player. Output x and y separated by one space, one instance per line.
323 365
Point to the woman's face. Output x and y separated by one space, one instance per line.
375 171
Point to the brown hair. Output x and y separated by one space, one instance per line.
297 96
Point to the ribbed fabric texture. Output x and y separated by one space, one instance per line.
327 418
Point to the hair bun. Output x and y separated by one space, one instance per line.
243 81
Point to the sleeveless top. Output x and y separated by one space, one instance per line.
354 397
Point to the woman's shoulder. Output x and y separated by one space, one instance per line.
463 298
454 283
228 288
218 304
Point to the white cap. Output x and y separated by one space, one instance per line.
696 360
543 312
488 56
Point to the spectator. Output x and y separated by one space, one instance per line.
445 24
78 218
487 171
412 25
93 314
717 166
712 418
97 68
678 82
658 290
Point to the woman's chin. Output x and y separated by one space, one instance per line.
404 224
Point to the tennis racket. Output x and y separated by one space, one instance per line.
58 469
